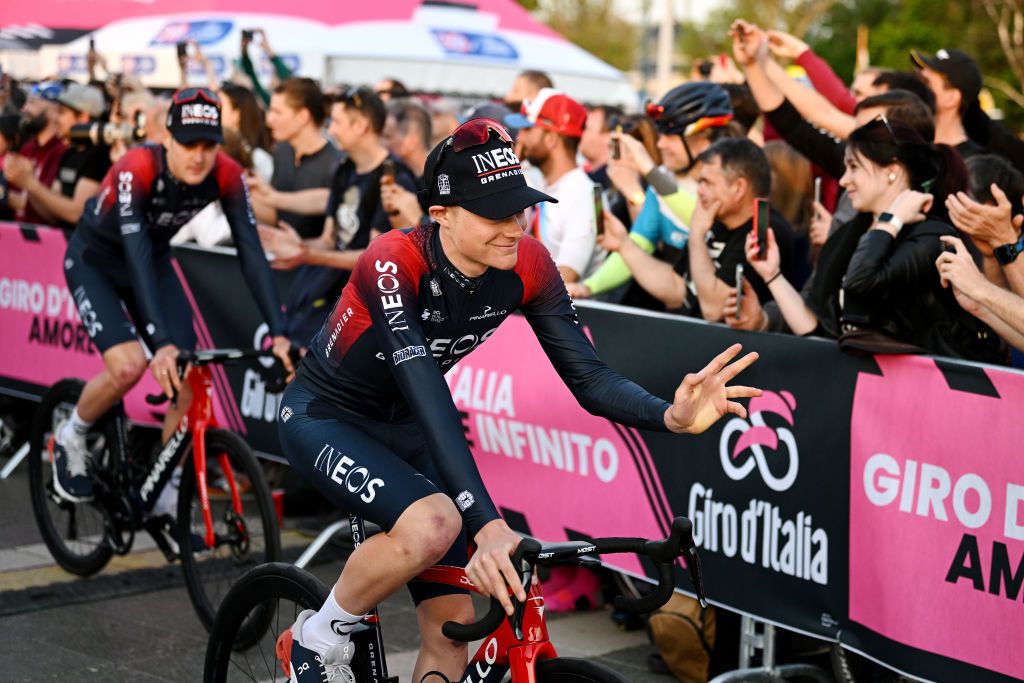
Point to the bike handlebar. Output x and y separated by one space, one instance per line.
664 553
210 356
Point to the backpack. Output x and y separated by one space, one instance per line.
684 634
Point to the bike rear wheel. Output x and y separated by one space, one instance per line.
571 670
242 541
258 608
74 533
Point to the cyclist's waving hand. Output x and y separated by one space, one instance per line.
704 397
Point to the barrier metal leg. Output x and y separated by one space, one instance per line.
14 461
320 541
752 640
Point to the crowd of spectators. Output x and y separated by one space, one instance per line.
894 203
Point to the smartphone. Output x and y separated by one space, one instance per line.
761 211
182 50
946 246
92 44
247 34
599 209
739 288
387 172
817 189
616 148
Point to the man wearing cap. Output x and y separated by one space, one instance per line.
954 78
372 387
550 129
81 168
119 271
42 147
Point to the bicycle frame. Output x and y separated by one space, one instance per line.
518 648
191 430
517 645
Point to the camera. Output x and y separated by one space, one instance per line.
247 34
108 133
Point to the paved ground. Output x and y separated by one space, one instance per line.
134 621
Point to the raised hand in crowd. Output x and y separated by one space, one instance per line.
18 169
910 206
769 266
821 224
285 244
615 233
957 269
749 315
264 42
1000 309
703 218
578 290
402 206
786 46
211 76
989 226
749 42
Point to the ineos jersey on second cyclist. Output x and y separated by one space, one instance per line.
129 225
407 309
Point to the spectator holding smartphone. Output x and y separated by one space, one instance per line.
281 71
734 172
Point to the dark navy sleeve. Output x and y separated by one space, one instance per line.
237 205
551 314
387 277
133 178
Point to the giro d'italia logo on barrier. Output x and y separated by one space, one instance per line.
746 446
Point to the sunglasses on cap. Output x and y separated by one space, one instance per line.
470 134
354 96
189 95
47 91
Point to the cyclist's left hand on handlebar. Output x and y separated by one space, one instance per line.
164 367
281 347
703 397
490 568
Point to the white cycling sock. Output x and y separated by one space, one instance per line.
330 626
76 427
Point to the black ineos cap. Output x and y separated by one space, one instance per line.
195 116
475 168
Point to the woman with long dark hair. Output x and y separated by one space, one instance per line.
876 287
243 114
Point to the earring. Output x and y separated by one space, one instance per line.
892 178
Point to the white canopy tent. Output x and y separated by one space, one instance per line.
451 50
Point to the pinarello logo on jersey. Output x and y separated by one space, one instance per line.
772 451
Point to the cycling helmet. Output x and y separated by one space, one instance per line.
690 108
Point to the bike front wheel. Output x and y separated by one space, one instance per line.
571 670
245 538
74 533
258 608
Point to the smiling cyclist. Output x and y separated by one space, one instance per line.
370 422
119 270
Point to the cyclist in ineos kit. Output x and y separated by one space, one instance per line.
118 264
369 419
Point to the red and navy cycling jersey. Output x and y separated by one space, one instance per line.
407 315
140 207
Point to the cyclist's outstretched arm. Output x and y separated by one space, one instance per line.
699 401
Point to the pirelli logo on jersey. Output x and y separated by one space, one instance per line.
391 300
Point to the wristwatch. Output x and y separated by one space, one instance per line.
1006 253
886 217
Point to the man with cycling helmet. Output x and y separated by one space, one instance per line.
119 270
370 422
689 118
